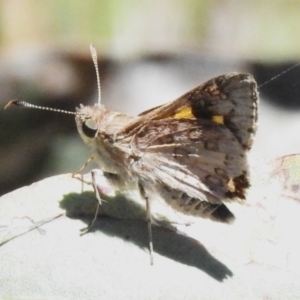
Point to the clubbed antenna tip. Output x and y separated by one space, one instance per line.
13 103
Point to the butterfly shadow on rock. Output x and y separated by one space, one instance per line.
133 228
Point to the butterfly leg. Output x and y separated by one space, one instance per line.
84 166
96 190
149 220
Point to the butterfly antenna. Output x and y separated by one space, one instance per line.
279 75
29 105
95 61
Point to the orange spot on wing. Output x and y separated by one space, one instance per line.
184 113
218 119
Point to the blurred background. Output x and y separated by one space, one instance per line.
150 52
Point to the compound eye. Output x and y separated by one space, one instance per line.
89 128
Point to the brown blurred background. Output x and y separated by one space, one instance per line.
150 52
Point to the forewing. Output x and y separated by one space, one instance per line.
232 96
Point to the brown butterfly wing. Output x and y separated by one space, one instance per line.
191 158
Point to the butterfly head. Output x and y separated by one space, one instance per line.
88 120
